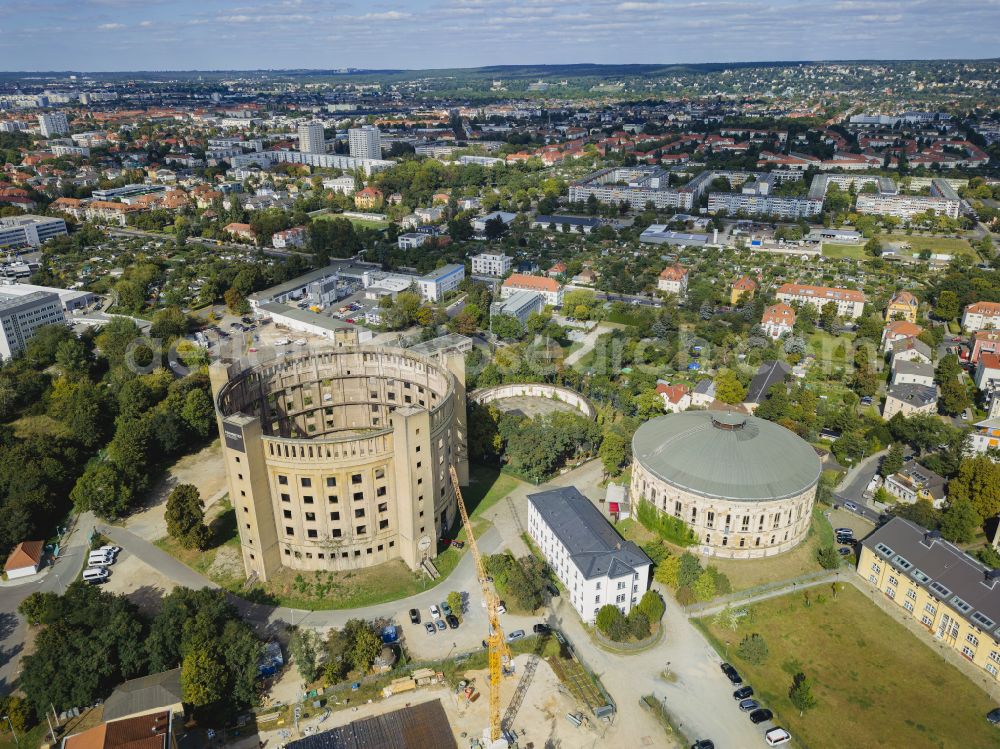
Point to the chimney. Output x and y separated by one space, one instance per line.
930 537
991 577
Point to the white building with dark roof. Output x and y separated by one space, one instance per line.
596 565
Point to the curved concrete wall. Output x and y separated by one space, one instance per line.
534 390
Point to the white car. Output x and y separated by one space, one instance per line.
777 737
113 550
435 612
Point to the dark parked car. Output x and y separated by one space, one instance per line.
553 590
541 629
732 674
759 716
703 744
414 616
431 629
452 621
993 716
743 692
845 551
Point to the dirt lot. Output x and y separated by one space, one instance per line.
204 469
143 585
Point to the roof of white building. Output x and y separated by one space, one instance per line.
593 545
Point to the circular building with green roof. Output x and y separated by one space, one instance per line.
744 485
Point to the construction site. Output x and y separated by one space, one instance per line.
547 714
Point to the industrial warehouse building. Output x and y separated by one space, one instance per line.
339 459
745 486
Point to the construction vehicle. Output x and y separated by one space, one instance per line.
499 652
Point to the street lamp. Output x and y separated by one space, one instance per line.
7 718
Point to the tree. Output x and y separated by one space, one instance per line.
73 358
960 521
800 693
652 606
304 645
203 678
506 327
948 306
612 622
648 404
460 229
169 322
753 649
893 460
667 572
977 482
873 247
367 646
613 452
954 397
104 490
704 586
185 517
198 412
689 571
828 557
828 317
495 228
638 623
728 388
454 601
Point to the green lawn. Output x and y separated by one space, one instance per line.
835 350
935 244
874 683
840 251
359 223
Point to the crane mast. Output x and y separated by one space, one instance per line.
499 653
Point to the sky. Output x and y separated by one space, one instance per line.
112 35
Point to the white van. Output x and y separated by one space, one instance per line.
95 575
100 559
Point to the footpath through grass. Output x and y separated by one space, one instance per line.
875 684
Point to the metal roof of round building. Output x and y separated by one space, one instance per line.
726 455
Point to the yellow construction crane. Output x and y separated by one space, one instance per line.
499 653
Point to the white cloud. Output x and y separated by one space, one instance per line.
635 6
389 15
111 26
145 24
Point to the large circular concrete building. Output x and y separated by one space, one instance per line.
339 460
744 485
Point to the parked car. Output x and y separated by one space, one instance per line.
445 609
110 549
743 692
843 531
452 621
993 716
851 506
777 737
431 629
435 612
703 744
845 551
541 629
95 575
441 625
552 589
414 616
732 674
517 634
748 706
761 715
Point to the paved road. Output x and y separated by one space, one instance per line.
13 629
